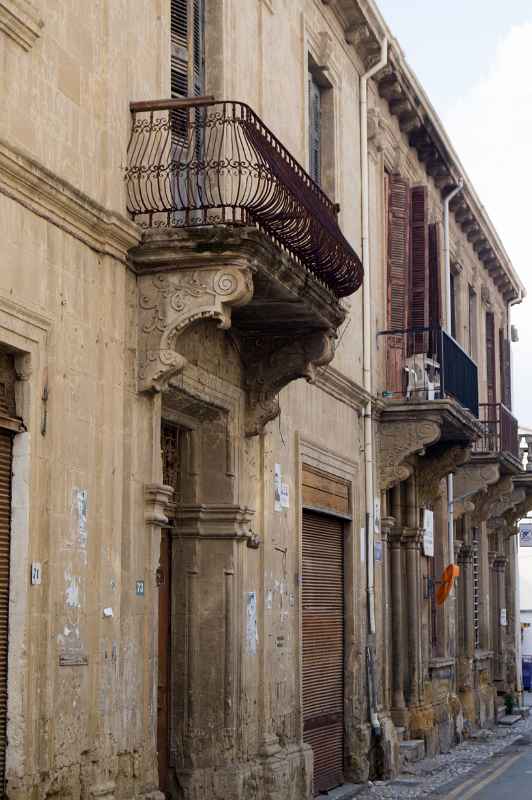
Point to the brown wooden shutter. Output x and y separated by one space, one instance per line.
5 550
323 646
398 249
490 358
419 255
314 128
435 298
505 369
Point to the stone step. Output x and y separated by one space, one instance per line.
524 711
509 719
400 733
346 792
412 750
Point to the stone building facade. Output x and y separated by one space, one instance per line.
216 577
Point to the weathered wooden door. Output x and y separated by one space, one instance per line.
6 440
323 646
164 576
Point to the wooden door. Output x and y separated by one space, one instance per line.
323 646
164 578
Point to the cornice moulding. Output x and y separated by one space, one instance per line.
20 21
335 384
39 190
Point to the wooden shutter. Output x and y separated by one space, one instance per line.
314 104
398 249
323 646
419 255
198 41
5 550
505 369
179 53
490 358
435 299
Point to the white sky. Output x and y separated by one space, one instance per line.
474 58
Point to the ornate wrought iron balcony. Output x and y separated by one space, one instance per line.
203 163
427 364
500 431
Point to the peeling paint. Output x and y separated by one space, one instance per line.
251 623
72 595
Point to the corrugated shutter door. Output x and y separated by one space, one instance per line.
323 646
5 546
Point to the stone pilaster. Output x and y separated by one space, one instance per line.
412 538
399 713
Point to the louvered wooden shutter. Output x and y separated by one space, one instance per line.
314 130
398 249
490 358
435 300
419 268
5 548
198 59
179 37
507 357
323 646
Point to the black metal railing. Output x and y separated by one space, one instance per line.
500 431
427 364
200 162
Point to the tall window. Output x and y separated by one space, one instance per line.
453 304
472 327
187 48
490 358
314 128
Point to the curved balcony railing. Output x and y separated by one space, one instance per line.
196 163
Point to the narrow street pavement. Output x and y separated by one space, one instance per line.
491 765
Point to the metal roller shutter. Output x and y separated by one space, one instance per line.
323 646
5 544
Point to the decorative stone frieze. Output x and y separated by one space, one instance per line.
397 440
469 480
170 302
157 496
431 470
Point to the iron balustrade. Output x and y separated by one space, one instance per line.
500 431
203 163
427 364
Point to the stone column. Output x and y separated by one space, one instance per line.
387 526
412 538
399 714
500 594
466 590
493 622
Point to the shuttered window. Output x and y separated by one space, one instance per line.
314 128
472 323
490 358
323 646
453 305
505 369
398 271
187 59
419 254
435 299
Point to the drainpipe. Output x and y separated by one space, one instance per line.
368 428
447 263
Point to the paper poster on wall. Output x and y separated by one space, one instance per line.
428 532
377 515
504 619
277 484
362 544
285 497
251 623
378 551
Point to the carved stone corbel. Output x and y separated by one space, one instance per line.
217 522
469 480
170 302
157 496
397 440
431 469
506 503
486 502
272 364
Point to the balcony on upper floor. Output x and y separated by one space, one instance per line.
430 397
234 230
500 436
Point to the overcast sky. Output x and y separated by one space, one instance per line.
474 59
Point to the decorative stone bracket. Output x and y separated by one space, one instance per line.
469 481
272 364
170 302
397 441
506 503
485 504
431 469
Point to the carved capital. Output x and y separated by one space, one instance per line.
412 538
156 499
171 301
431 470
275 362
397 440
217 522
501 510
471 479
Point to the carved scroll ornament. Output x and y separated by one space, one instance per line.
471 480
169 302
397 440
486 502
431 470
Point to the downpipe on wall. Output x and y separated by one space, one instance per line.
368 425
447 264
